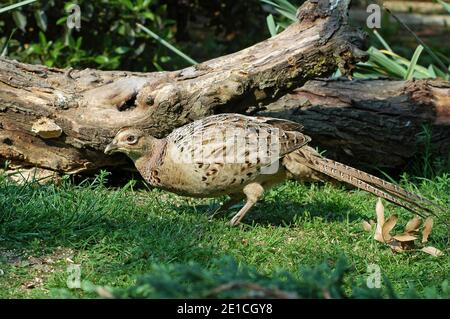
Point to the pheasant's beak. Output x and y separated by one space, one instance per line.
111 148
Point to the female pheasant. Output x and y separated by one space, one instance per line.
241 156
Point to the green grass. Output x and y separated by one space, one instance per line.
117 235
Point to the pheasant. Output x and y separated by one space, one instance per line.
241 156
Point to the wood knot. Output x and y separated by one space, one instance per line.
7 141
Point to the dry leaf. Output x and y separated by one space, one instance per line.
427 227
404 237
30 285
388 226
396 246
413 225
366 226
372 222
379 208
432 251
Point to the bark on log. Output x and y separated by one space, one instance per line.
61 120
370 122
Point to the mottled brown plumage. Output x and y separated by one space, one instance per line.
241 156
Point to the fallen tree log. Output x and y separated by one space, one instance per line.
61 120
371 122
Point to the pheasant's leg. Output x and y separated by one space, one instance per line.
226 206
253 191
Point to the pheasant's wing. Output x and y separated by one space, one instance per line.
289 133
239 139
282 124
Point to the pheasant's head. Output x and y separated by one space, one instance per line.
131 141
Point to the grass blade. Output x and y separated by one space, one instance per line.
382 41
443 57
4 50
445 5
271 25
426 47
439 73
19 19
431 71
390 66
167 44
287 14
412 65
16 5
282 25
287 6
424 71
271 3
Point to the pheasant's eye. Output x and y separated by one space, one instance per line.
131 139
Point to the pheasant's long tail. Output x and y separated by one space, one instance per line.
379 183
369 183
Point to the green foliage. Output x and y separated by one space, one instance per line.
228 279
386 63
15 5
445 5
283 7
381 63
427 164
285 11
273 28
167 44
107 39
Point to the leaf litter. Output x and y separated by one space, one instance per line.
405 241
